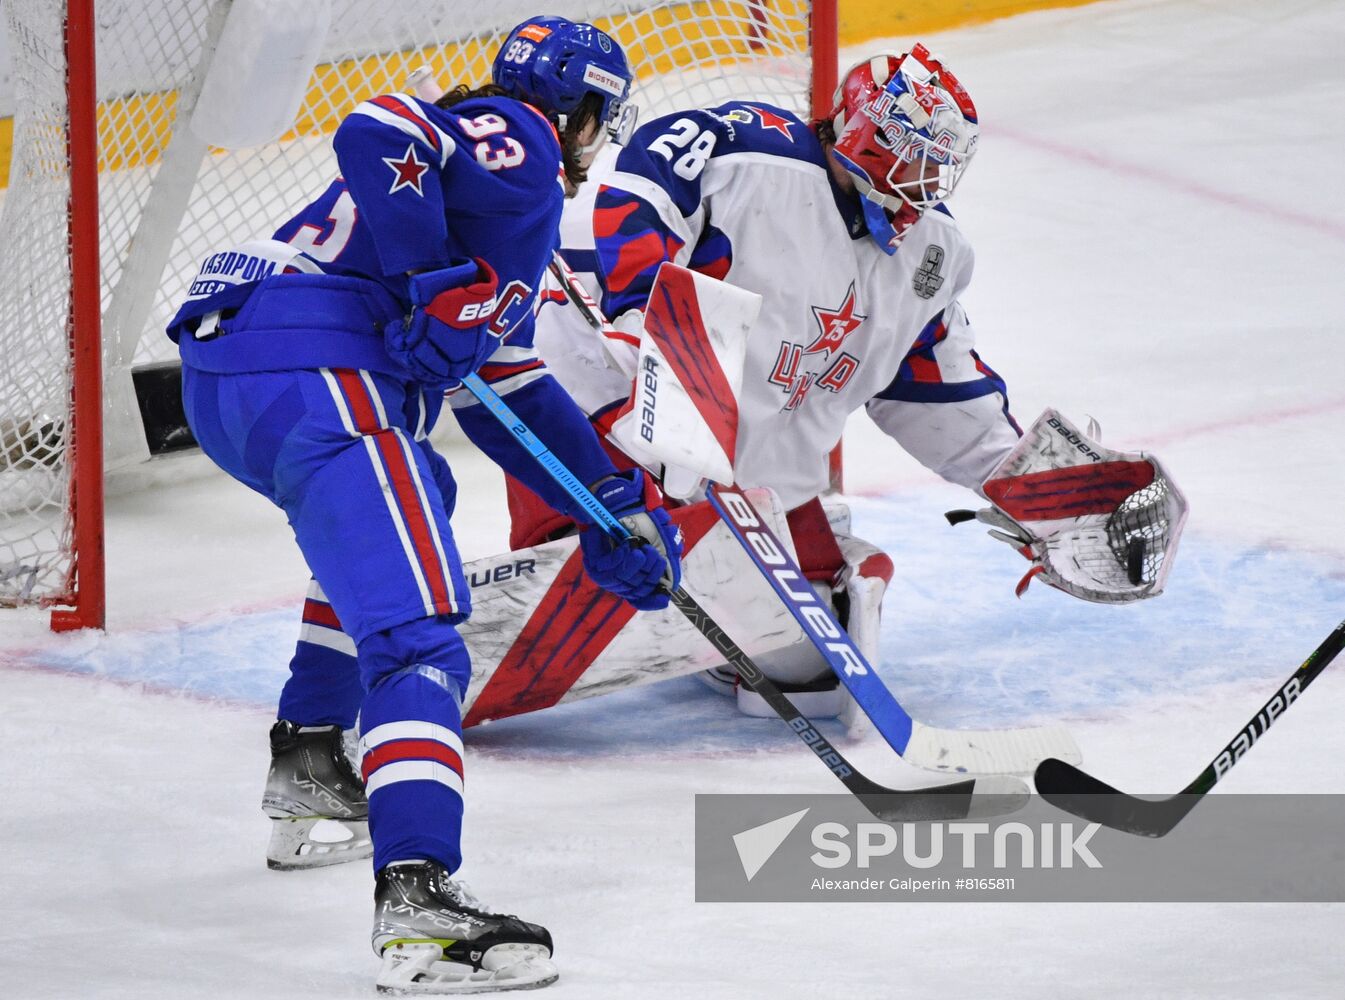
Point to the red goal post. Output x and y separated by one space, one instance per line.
120 180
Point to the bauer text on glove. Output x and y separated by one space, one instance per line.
447 335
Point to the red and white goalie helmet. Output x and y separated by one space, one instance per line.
905 130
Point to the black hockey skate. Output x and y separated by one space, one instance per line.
435 938
319 815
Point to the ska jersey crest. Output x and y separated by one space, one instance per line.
406 172
927 278
822 364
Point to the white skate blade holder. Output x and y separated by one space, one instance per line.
305 842
416 968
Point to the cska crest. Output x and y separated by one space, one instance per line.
835 324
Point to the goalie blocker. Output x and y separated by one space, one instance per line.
1099 524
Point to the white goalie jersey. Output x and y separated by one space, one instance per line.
742 192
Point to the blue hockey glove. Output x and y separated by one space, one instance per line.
645 569
446 337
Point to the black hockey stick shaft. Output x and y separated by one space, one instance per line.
947 801
1077 792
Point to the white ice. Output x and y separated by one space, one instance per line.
1160 226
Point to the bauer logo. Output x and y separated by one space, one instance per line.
994 848
648 397
791 585
1076 441
1284 697
482 576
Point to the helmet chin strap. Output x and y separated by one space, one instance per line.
887 226
881 227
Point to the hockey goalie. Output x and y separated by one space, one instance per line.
766 278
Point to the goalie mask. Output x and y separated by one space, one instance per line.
905 131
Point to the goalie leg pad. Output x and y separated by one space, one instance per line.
543 633
858 600
868 571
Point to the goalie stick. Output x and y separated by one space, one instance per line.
970 798
1079 793
968 751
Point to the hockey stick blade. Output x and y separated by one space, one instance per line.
968 799
1079 793
950 751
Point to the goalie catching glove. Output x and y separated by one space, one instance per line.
447 335
1100 525
645 568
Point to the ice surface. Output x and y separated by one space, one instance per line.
1160 227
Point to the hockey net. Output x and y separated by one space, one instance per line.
166 197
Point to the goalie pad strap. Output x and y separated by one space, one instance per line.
819 553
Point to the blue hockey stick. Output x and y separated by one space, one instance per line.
955 800
996 751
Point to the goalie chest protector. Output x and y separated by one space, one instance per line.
742 192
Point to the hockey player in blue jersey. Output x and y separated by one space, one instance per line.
314 365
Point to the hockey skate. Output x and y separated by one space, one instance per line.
319 815
436 938
820 698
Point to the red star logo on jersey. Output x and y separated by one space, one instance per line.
836 324
769 119
407 171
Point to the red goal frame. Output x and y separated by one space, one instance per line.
84 603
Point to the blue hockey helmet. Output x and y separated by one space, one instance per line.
553 63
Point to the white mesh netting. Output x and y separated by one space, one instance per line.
167 199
